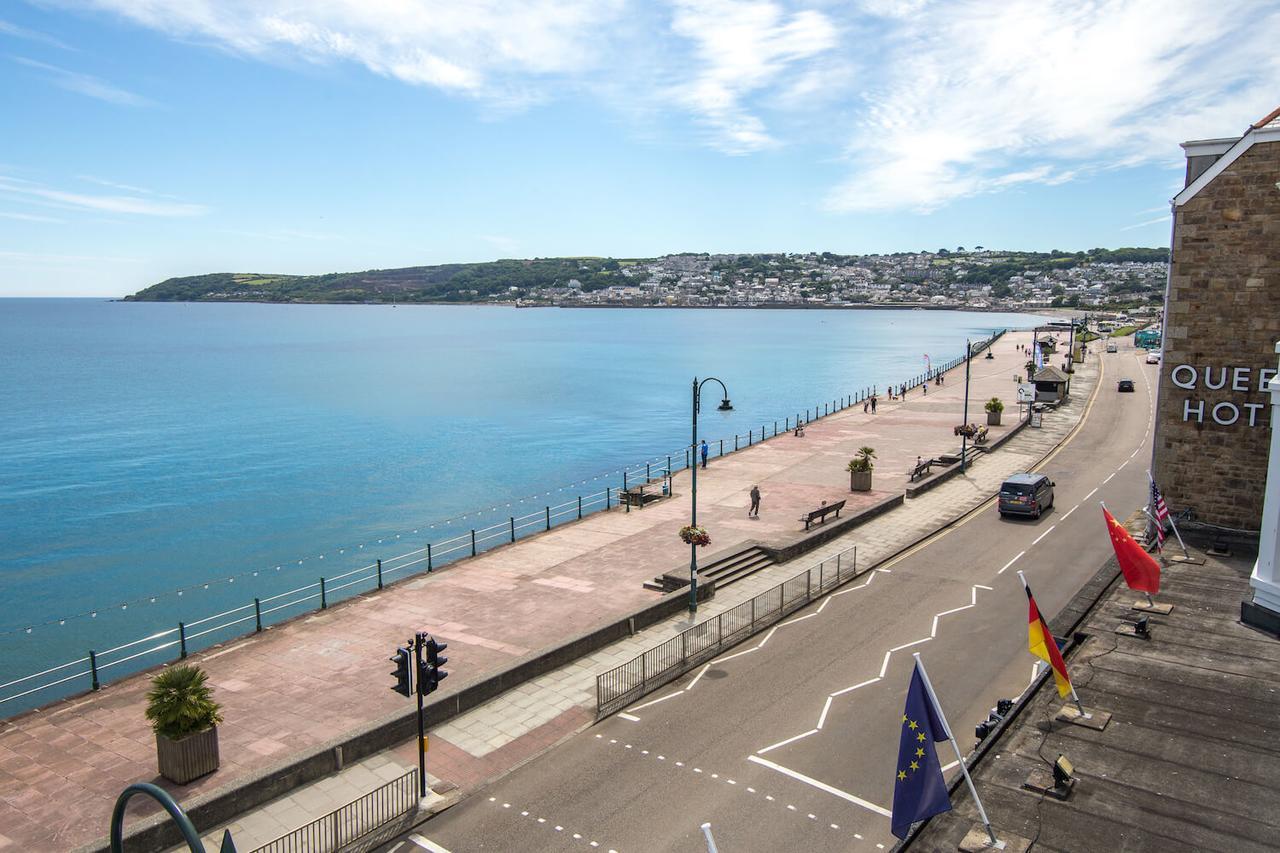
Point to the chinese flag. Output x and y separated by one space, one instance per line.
1141 571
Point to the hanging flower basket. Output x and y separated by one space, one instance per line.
691 535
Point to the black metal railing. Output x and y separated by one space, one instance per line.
353 821
627 682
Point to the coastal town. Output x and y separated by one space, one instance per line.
979 279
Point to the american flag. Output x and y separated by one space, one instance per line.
1161 511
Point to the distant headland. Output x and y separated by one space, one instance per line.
978 278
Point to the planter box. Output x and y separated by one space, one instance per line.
189 758
859 481
993 418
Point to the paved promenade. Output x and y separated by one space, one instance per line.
290 689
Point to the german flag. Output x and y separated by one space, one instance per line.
1044 646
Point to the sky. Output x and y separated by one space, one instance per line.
143 139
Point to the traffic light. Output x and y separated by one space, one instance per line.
432 674
403 673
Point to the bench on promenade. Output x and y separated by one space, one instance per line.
922 468
820 514
645 493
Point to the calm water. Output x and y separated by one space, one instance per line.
147 448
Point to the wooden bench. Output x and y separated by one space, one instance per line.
922 469
821 513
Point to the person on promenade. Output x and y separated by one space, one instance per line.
873 405
924 386
754 512
703 450
866 404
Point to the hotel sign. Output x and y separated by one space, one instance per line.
1235 379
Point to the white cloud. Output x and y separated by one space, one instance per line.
84 84
29 217
15 31
29 190
982 95
1157 221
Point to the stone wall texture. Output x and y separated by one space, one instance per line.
1222 311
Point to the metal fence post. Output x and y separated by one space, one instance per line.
513 520
579 510
548 518
750 433
838 567
379 573
753 611
647 474
257 614
722 447
684 648
429 567
606 497
337 842
808 585
473 541
93 668
822 572
324 602
182 640
735 441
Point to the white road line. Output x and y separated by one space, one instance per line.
884 667
855 687
798 619
656 701
698 676
1122 464
1042 535
909 645
823 605
1073 509
955 610
947 767
427 844
980 586
735 655
1108 480
767 636
1011 562
1091 494
787 741
1135 451
630 717
825 708
821 786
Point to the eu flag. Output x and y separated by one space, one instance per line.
918 789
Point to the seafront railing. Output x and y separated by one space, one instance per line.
176 643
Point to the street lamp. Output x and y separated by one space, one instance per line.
725 406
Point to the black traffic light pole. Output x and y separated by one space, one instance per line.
422 734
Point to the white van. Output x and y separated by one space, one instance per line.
1111 347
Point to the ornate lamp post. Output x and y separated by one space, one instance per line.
725 406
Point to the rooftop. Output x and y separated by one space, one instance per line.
1191 756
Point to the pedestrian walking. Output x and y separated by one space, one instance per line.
873 405
925 388
703 450
865 405
754 512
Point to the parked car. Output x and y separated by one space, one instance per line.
1025 494
1153 357
1125 385
1112 347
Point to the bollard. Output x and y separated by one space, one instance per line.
93 668
473 541
324 602
548 518
513 520
379 573
182 640
429 567
257 611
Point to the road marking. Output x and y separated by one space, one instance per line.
823 605
906 646
735 655
1073 509
787 741
630 717
767 636
656 701
1042 535
884 667
821 786
1108 480
1091 494
798 619
1135 451
1122 464
427 844
698 676
947 767
825 708
854 687
1007 565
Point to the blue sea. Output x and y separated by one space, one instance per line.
148 449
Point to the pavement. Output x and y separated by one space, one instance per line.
288 690
1189 760
789 740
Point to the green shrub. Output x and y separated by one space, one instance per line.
180 702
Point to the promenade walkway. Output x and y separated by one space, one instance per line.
292 688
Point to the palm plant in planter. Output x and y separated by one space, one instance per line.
994 407
859 469
185 718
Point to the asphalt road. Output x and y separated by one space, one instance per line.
789 741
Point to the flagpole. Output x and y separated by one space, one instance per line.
937 706
1050 639
1172 523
